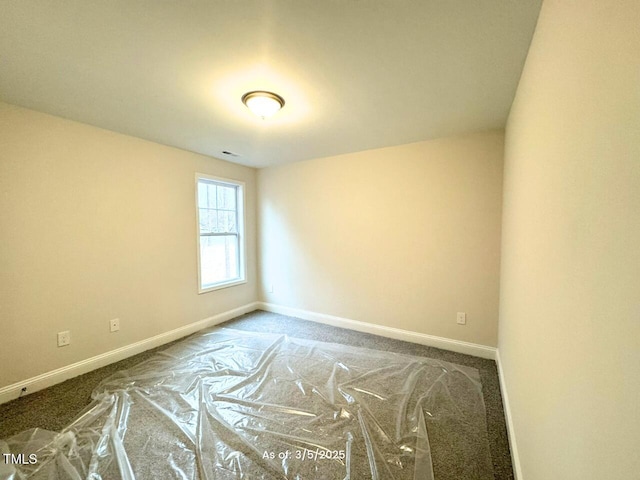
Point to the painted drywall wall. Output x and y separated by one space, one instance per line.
96 225
569 336
403 236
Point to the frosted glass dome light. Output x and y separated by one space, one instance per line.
263 104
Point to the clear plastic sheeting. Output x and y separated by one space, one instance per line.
228 404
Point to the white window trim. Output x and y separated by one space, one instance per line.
241 234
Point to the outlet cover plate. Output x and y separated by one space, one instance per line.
64 338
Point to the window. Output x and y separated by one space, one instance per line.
220 233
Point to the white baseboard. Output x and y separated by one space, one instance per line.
59 375
474 349
515 459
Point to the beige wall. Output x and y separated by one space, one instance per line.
96 225
403 236
570 281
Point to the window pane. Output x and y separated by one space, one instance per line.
230 221
207 195
220 196
208 221
218 259
230 198
227 221
226 197
212 190
202 195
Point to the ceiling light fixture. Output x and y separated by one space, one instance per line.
263 104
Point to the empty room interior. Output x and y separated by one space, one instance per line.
320 240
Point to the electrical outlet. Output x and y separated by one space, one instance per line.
462 318
270 288
64 338
114 325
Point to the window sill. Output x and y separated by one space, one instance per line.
219 286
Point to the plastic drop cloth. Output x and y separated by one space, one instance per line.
228 404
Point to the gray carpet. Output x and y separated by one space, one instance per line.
56 407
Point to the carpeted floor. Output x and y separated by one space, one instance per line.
54 408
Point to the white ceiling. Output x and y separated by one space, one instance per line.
355 74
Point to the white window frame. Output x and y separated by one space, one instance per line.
240 201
